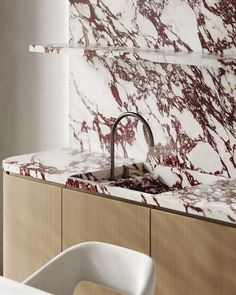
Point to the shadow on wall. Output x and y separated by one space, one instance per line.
33 92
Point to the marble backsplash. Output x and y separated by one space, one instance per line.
180 25
191 109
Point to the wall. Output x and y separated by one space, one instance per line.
1 98
191 109
33 88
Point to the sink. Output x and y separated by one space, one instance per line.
140 178
146 183
143 178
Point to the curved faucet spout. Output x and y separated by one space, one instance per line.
112 138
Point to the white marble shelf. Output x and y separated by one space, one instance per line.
136 54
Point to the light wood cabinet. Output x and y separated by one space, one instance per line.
40 220
192 256
91 218
32 225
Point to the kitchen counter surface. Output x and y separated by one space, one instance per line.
214 199
55 165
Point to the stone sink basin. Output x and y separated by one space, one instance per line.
146 183
142 178
136 176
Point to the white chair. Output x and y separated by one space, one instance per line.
120 269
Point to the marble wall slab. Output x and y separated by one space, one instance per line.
191 109
180 25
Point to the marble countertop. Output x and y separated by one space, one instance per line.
55 165
214 198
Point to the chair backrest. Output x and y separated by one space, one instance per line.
123 270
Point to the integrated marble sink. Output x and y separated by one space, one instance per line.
146 183
136 176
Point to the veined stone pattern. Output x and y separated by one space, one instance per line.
191 109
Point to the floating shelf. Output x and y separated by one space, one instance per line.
136 54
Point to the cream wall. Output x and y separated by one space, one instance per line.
33 87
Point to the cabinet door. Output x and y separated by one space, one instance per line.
93 218
32 225
192 256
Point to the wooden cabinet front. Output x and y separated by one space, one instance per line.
92 218
32 225
192 256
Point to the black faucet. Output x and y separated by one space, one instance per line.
112 138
